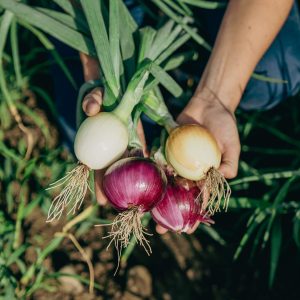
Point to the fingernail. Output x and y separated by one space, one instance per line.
92 107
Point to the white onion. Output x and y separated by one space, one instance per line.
192 151
100 140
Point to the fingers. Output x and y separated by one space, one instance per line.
190 231
100 196
160 229
92 102
141 135
230 161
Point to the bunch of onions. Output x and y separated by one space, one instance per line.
178 211
133 186
99 142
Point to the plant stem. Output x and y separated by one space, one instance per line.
20 214
132 95
267 176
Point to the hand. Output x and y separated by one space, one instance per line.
205 109
91 105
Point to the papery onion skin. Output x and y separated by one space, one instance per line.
100 140
179 211
192 151
134 182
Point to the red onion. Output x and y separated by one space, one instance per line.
133 186
179 211
134 182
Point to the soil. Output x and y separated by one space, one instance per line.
181 267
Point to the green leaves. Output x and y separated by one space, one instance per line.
92 11
53 27
166 80
276 242
179 20
114 38
204 4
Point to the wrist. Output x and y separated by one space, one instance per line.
206 97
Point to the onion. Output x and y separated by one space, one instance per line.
178 211
194 154
192 151
133 186
100 140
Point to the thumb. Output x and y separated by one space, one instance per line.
98 178
161 230
92 102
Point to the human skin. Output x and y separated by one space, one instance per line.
247 30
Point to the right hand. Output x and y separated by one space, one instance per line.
205 109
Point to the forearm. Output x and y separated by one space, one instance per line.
247 30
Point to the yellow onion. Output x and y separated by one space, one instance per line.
192 151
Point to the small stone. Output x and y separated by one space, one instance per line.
70 284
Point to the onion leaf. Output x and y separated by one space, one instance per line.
53 27
96 23
166 80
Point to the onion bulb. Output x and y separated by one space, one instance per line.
133 186
178 211
194 154
192 151
100 140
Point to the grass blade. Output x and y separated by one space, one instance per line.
15 52
296 229
276 242
16 254
256 221
279 198
213 233
266 176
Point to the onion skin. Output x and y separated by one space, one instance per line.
134 182
179 211
192 151
100 140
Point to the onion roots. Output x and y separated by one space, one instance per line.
72 195
214 189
